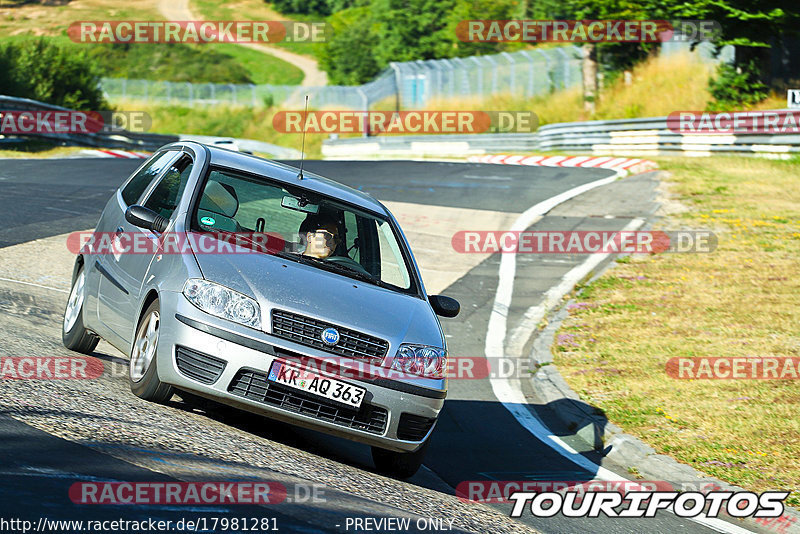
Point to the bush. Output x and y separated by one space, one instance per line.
736 87
41 70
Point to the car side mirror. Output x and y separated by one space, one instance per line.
444 306
146 218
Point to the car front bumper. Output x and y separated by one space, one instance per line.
247 356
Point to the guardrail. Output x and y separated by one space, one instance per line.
428 145
620 137
651 136
123 139
117 138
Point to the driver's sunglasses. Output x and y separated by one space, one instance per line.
328 236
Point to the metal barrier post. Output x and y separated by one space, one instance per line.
494 73
463 70
365 104
480 74
530 72
512 69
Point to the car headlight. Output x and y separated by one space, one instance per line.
223 302
420 360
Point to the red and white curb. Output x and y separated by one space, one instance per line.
628 165
108 153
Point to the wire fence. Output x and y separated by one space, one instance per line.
705 51
405 85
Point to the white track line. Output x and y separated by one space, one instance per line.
509 391
34 284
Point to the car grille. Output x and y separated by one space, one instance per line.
197 366
253 385
413 427
307 331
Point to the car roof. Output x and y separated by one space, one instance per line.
288 175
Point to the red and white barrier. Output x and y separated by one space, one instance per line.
108 153
629 165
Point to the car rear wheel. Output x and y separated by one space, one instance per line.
73 334
399 464
143 368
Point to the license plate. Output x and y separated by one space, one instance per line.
321 386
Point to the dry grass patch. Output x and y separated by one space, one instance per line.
741 300
50 19
661 85
225 121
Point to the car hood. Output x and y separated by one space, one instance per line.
283 284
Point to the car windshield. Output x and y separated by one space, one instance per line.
313 229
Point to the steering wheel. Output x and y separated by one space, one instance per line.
349 262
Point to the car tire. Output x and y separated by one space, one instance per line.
399 464
73 334
143 367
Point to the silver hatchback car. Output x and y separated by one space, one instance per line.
286 294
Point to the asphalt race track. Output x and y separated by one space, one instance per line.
54 433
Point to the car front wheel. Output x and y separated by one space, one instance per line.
399 464
143 368
73 334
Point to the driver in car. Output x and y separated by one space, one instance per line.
320 234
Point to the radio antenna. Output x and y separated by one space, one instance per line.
303 146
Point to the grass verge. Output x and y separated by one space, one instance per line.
224 121
38 149
741 300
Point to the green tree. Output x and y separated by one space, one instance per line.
615 56
408 30
348 58
481 10
41 70
367 38
736 86
753 27
302 7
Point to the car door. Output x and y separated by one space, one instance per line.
118 282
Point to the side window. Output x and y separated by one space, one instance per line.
392 268
219 204
164 198
146 174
